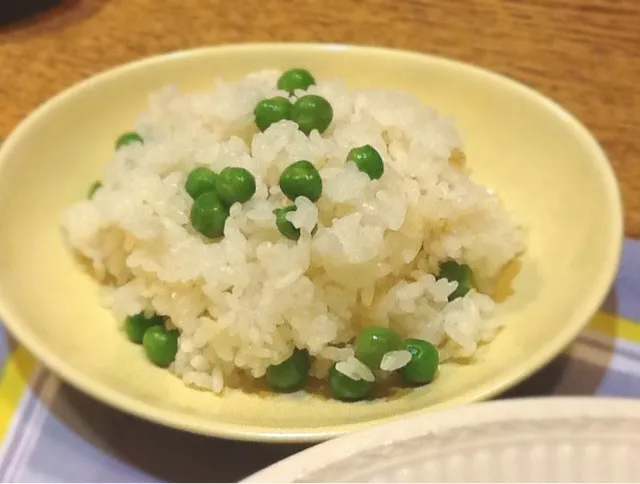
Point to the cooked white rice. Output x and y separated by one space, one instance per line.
394 360
244 302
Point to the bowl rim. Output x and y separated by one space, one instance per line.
512 376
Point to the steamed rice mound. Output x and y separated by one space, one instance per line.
243 302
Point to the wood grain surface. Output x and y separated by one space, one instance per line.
583 53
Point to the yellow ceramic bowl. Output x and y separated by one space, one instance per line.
541 161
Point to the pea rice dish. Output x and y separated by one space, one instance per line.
284 229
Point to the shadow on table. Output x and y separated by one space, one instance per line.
169 455
562 376
33 18
159 452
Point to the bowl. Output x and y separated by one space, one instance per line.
544 164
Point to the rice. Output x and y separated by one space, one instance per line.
243 302
394 360
355 369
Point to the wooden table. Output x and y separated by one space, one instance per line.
583 53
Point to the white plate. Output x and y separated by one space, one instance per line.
583 439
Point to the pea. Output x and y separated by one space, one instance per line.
295 79
301 179
95 186
270 111
135 326
373 342
285 227
452 271
345 388
127 139
291 373
199 181
368 160
424 361
209 214
312 112
160 345
235 185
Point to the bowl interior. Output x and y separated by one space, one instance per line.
542 162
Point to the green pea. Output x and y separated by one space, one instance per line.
452 271
209 214
292 373
95 186
295 79
199 181
373 342
270 111
127 139
235 185
301 179
345 388
285 227
312 112
135 326
368 160
424 361
160 345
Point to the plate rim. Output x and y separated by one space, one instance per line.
509 411
169 418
